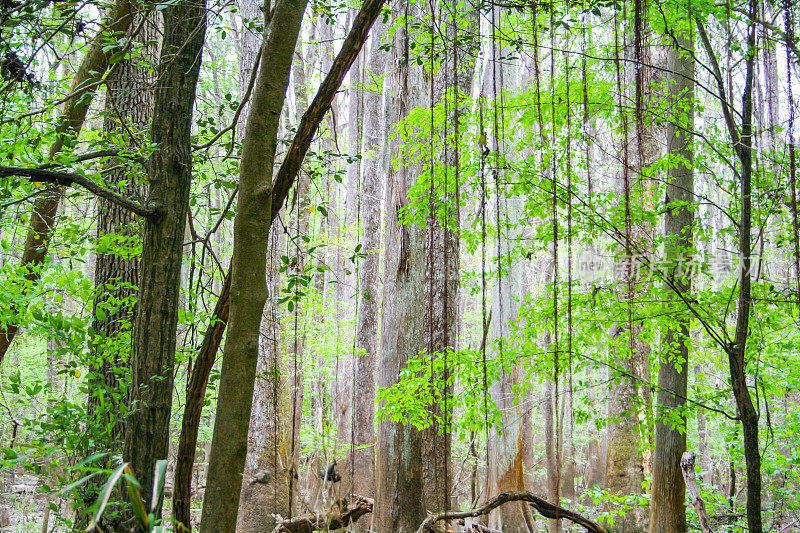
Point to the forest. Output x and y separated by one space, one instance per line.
399 266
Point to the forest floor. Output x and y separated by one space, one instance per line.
23 507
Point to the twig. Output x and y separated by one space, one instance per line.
239 109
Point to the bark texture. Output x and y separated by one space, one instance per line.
506 449
667 510
374 140
398 503
129 108
147 433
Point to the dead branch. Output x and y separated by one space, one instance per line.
687 466
546 509
340 515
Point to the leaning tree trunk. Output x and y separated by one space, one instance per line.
277 193
667 505
248 286
267 445
43 215
154 336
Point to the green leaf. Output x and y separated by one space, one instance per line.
159 476
135 497
72 486
105 495
91 458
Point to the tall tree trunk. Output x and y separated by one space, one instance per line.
630 399
129 108
667 505
374 140
43 215
277 193
398 503
443 248
507 448
267 444
147 433
248 287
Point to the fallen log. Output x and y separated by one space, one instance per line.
546 509
340 515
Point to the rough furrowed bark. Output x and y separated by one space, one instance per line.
543 507
43 215
398 465
129 97
362 464
147 434
129 109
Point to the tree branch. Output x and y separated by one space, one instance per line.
96 155
546 509
73 178
287 174
727 110
235 119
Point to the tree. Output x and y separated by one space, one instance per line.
630 399
128 108
667 506
374 139
398 464
736 349
170 173
248 274
93 67
229 447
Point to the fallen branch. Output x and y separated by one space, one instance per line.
546 509
340 516
687 466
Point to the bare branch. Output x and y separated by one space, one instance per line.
72 178
546 509
239 109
